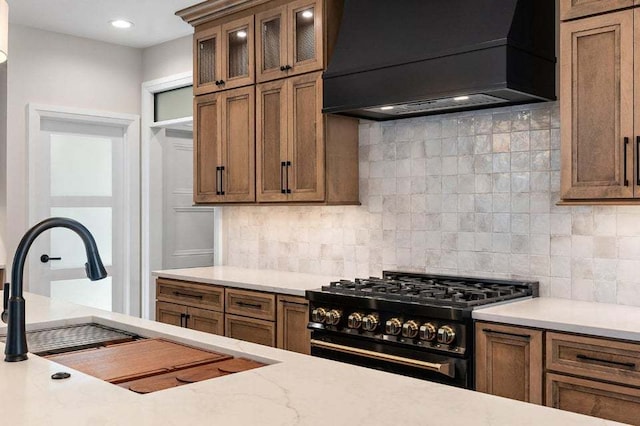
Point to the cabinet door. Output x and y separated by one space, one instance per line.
208 151
305 38
207 64
293 316
271 141
571 9
607 401
250 329
306 138
238 145
170 313
509 362
238 66
271 44
205 320
596 80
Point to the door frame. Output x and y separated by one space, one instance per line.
152 192
130 124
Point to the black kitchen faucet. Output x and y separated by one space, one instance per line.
14 306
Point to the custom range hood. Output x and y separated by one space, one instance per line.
396 59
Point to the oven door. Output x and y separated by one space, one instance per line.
385 356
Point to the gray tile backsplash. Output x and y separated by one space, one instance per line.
468 193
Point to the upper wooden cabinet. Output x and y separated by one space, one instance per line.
224 56
598 107
224 140
571 9
289 40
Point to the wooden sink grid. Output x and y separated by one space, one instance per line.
150 365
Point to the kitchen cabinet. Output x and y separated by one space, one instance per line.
283 149
292 332
509 361
600 108
190 305
289 40
251 329
224 57
224 140
251 316
571 9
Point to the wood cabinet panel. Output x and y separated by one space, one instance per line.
188 293
207 61
170 313
602 359
509 361
571 9
205 320
271 44
250 329
207 114
238 63
597 107
293 316
593 398
251 303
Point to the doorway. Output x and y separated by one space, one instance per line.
84 165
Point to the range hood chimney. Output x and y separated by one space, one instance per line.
396 59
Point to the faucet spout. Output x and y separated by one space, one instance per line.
14 313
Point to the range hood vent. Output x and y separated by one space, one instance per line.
420 57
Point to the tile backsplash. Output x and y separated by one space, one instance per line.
467 193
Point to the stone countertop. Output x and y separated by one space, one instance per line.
598 319
295 390
292 283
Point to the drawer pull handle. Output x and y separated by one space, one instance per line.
249 305
524 336
606 361
192 296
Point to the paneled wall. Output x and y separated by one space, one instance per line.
467 193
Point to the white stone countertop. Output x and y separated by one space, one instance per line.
598 319
293 283
295 390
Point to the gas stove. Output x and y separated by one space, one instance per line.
409 323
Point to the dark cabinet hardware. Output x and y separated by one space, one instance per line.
186 320
285 67
249 305
283 166
218 181
288 166
606 361
221 181
488 330
638 160
192 296
45 258
182 320
626 145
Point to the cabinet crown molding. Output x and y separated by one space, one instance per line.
214 9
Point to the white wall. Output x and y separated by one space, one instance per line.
61 70
170 58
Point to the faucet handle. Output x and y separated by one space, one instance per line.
5 296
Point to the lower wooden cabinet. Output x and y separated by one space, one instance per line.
593 398
253 330
293 315
190 317
509 362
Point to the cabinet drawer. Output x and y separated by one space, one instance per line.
251 303
251 330
192 294
571 9
602 359
593 398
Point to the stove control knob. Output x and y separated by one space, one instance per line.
428 332
410 329
446 335
333 317
318 315
370 322
393 326
354 320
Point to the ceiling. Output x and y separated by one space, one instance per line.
154 20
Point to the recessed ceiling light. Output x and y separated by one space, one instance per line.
121 23
307 14
386 108
461 98
241 34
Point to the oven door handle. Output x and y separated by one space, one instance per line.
445 369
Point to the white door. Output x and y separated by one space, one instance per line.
188 230
76 171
